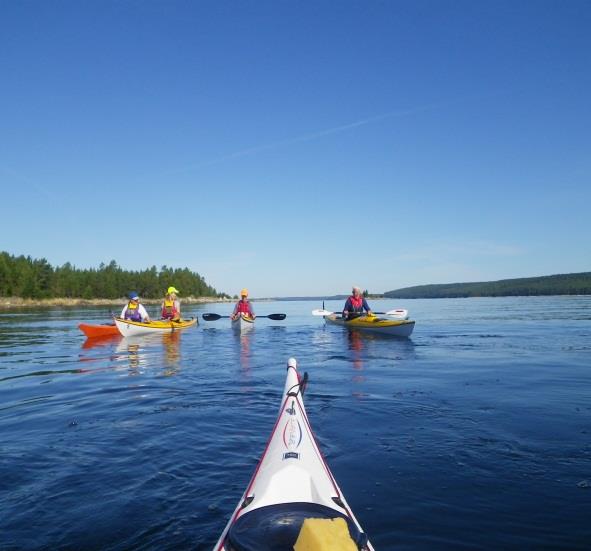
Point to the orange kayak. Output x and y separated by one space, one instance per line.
94 331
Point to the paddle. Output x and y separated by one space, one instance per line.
398 313
214 317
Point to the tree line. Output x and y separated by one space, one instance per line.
26 277
560 284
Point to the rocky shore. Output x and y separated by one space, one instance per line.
7 303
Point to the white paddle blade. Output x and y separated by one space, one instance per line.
398 313
320 312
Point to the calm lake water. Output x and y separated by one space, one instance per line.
475 433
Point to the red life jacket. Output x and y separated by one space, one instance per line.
169 310
357 303
244 308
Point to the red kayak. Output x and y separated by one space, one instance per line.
94 331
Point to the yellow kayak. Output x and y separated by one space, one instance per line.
130 328
397 328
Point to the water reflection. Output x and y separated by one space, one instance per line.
244 343
146 350
97 342
134 357
133 350
356 347
172 352
322 336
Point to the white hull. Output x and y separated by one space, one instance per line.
292 471
243 323
130 328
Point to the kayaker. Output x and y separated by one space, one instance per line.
171 306
135 311
243 306
355 305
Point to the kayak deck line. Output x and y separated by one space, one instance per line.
160 323
291 483
129 328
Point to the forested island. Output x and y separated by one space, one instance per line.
560 284
28 278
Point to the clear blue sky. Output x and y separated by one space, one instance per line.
299 147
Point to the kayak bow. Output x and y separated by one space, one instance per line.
97 331
291 483
243 323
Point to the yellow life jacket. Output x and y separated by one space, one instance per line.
132 311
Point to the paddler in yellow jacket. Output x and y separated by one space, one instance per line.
171 306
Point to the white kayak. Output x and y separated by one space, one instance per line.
291 483
130 328
243 323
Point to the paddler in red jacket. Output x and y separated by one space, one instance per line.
355 305
243 306
171 306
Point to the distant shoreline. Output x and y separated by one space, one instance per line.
8 303
553 285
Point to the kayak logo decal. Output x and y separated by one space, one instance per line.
291 455
292 434
291 410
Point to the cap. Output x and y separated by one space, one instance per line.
133 295
172 290
244 293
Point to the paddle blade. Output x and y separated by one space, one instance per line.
320 312
399 313
211 317
277 317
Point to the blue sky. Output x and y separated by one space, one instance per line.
299 147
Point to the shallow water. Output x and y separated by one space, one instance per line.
475 433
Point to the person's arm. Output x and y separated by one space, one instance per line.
177 305
366 306
122 316
144 314
252 314
346 308
235 312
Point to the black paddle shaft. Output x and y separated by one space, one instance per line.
215 317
